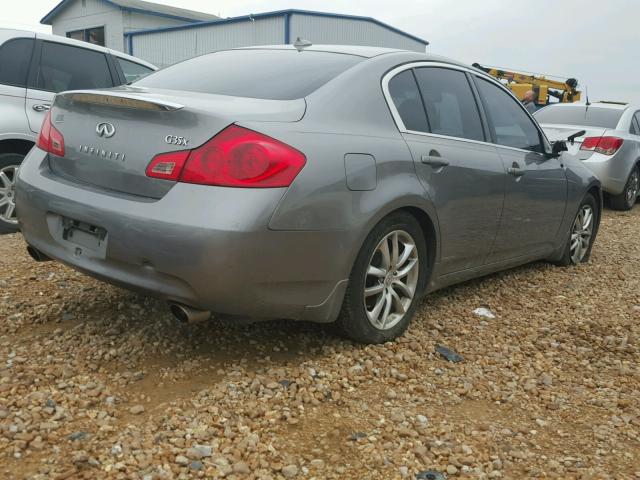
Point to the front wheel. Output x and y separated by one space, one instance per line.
386 281
9 164
627 199
583 232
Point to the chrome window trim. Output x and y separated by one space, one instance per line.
420 64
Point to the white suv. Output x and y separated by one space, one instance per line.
33 68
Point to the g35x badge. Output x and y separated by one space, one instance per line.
175 140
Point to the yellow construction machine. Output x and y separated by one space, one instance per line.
543 88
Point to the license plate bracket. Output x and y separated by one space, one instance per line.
82 238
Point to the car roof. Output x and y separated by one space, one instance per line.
361 51
367 52
75 43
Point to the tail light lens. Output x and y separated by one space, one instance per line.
167 166
604 145
235 157
50 139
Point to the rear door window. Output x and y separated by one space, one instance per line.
510 125
406 98
66 67
132 70
636 119
15 57
451 106
257 73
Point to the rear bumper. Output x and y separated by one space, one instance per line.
612 171
207 247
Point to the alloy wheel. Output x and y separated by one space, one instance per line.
391 279
581 233
632 187
7 194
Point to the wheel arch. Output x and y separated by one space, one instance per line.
596 190
428 226
16 145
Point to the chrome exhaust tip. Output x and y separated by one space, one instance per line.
37 255
188 314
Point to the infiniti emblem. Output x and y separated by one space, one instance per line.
105 129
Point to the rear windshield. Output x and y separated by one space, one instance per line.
580 115
267 74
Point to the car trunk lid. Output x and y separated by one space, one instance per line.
561 132
111 136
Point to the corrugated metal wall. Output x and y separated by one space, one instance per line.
346 31
168 47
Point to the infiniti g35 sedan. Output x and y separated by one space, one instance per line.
332 184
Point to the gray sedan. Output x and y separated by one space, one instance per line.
610 146
332 184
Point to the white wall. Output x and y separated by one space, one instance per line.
94 13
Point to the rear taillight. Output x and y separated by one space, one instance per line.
235 157
167 166
50 139
604 145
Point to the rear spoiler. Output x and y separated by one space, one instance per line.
119 100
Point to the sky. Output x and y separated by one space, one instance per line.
596 42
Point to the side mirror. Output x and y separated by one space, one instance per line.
557 148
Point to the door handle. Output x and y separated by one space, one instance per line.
435 161
515 170
43 107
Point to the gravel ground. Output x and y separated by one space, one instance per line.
97 382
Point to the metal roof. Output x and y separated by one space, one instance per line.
277 13
139 6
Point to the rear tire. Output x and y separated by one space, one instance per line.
9 163
627 199
583 233
386 282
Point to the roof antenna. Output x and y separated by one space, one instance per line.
300 44
587 92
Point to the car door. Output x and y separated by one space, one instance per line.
15 57
63 67
536 185
436 111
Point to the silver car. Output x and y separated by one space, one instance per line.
610 147
328 184
33 68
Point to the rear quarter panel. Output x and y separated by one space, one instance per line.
348 115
